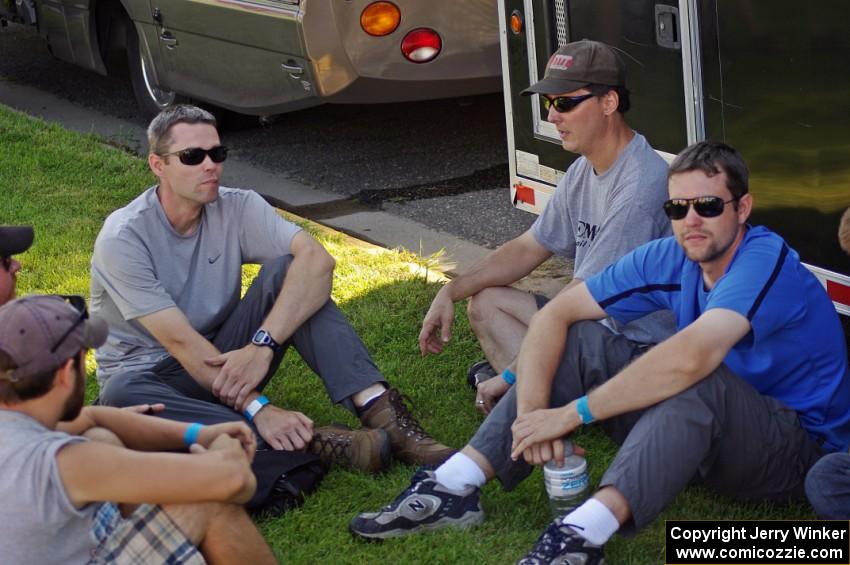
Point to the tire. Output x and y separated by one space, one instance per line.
150 97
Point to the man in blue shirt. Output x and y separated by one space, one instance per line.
743 399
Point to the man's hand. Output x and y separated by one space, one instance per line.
241 371
237 430
537 435
284 429
489 392
437 325
229 448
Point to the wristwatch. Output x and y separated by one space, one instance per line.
262 338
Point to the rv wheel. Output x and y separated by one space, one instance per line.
150 97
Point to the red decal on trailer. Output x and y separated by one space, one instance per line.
838 292
524 194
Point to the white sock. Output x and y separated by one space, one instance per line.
460 472
594 521
373 397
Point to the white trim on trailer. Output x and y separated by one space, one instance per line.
691 70
833 282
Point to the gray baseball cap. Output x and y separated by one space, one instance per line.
40 332
578 64
15 239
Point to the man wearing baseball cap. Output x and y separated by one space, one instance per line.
13 240
607 203
55 484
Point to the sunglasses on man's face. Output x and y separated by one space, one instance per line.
79 303
705 206
563 104
7 263
196 155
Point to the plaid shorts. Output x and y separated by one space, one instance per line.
149 535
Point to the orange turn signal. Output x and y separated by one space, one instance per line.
516 22
380 18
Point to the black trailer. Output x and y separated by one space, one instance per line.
770 77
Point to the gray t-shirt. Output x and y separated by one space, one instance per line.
141 265
38 522
596 219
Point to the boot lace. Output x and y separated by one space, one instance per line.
405 419
331 445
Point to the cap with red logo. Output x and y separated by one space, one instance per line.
577 64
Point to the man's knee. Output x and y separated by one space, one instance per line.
122 390
275 268
482 305
496 300
195 519
826 475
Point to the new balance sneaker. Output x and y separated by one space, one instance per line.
560 544
367 450
424 505
479 373
410 443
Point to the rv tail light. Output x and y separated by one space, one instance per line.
380 18
421 45
516 22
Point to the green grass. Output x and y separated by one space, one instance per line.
65 184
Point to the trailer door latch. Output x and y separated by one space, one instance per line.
667 26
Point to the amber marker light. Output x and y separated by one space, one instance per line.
380 18
516 22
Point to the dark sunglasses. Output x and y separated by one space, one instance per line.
705 206
79 303
7 263
196 155
564 104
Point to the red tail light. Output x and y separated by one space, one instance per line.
421 45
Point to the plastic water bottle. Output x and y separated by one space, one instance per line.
567 485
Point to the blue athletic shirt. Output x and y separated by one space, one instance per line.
795 350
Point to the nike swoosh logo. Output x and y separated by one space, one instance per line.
214 259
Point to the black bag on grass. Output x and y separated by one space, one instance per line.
283 479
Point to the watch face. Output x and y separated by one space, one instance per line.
262 337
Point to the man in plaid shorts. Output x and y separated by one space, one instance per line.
168 507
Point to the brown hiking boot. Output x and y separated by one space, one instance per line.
365 450
411 444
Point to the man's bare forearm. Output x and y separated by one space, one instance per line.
136 431
545 342
671 366
501 267
538 359
306 288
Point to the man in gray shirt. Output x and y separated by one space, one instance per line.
608 202
166 275
70 500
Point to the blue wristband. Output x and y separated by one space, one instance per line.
509 377
190 436
584 410
255 406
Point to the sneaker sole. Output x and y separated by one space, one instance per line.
468 521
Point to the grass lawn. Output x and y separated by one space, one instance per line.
65 184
